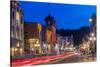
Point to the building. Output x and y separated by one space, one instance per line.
47 40
44 41
33 38
70 40
59 42
51 26
65 43
16 29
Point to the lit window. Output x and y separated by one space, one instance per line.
17 15
16 49
18 18
12 51
18 44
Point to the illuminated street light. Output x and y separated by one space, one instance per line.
90 38
94 38
90 20
16 49
92 34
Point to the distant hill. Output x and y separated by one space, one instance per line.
77 34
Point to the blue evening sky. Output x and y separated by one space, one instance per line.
67 16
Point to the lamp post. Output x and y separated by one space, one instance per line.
90 20
92 41
92 37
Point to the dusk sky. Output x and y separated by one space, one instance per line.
67 16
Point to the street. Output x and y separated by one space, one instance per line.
69 57
45 59
74 59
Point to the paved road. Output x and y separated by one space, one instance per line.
74 59
71 57
41 60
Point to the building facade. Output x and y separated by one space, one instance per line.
16 29
59 42
51 25
33 38
44 45
47 40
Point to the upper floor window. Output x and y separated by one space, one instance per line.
13 15
18 18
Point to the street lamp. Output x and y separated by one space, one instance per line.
94 38
90 20
92 34
90 38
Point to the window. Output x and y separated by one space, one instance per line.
18 18
13 14
21 19
12 30
17 33
21 34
